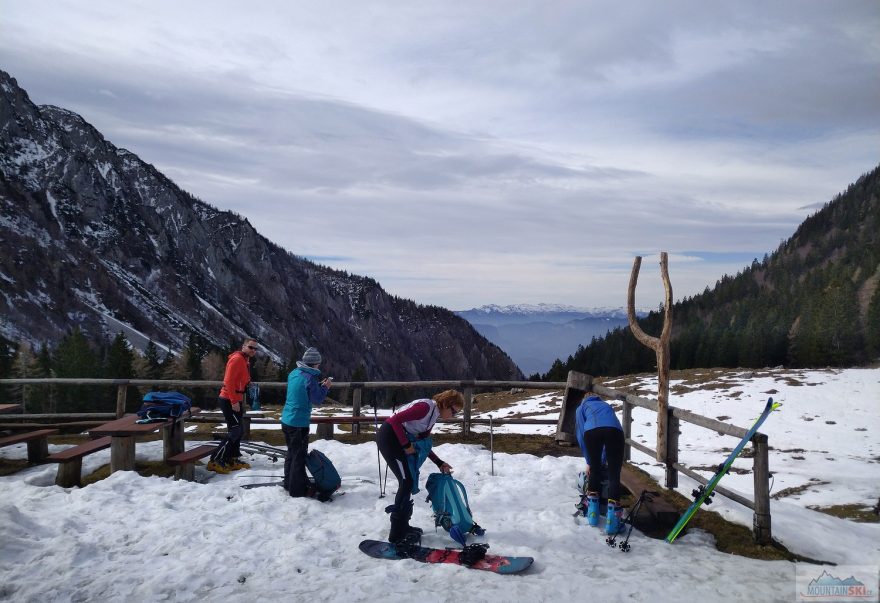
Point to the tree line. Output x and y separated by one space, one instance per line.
814 302
76 356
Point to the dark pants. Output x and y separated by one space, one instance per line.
295 479
611 439
230 445
394 455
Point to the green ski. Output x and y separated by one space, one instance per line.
703 493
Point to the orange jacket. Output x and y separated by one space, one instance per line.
236 378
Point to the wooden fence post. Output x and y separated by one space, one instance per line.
468 402
627 430
761 524
672 431
356 408
121 393
576 387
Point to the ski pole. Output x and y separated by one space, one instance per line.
491 447
378 457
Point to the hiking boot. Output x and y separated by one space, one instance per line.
592 511
238 464
217 467
613 521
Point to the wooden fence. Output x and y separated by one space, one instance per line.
353 389
576 387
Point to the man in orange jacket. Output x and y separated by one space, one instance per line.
231 402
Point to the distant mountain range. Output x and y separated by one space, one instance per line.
535 335
96 239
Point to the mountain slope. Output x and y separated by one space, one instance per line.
94 237
813 302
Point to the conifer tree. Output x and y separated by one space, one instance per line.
75 358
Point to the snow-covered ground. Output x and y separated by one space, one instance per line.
152 539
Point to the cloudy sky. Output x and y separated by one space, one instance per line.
466 153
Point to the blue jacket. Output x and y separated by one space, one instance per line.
303 391
592 413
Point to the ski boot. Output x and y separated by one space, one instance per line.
614 519
592 511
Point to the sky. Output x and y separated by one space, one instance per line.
471 153
133 538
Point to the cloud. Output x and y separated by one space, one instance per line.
464 154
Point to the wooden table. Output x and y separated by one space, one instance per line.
125 431
9 408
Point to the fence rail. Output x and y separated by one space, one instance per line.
356 389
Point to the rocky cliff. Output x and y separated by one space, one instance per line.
91 236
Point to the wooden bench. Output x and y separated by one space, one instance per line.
184 462
126 430
37 443
70 461
657 516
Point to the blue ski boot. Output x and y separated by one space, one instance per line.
613 521
592 512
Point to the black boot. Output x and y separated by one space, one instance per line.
399 528
407 512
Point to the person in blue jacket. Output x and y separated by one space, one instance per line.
600 435
303 391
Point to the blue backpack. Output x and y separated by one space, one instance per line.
451 512
325 478
252 395
159 406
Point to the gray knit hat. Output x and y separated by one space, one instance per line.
311 356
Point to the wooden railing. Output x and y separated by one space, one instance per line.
356 391
575 388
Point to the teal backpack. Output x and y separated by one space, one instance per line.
325 479
449 501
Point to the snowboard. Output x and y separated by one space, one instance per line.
704 493
491 563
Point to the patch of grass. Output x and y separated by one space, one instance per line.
733 538
11 466
798 489
853 512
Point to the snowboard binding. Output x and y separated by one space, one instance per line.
698 492
472 553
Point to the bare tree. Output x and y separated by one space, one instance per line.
659 345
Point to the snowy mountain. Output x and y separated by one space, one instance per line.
93 237
535 335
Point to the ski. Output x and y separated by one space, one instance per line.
704 493
472 556
262 485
